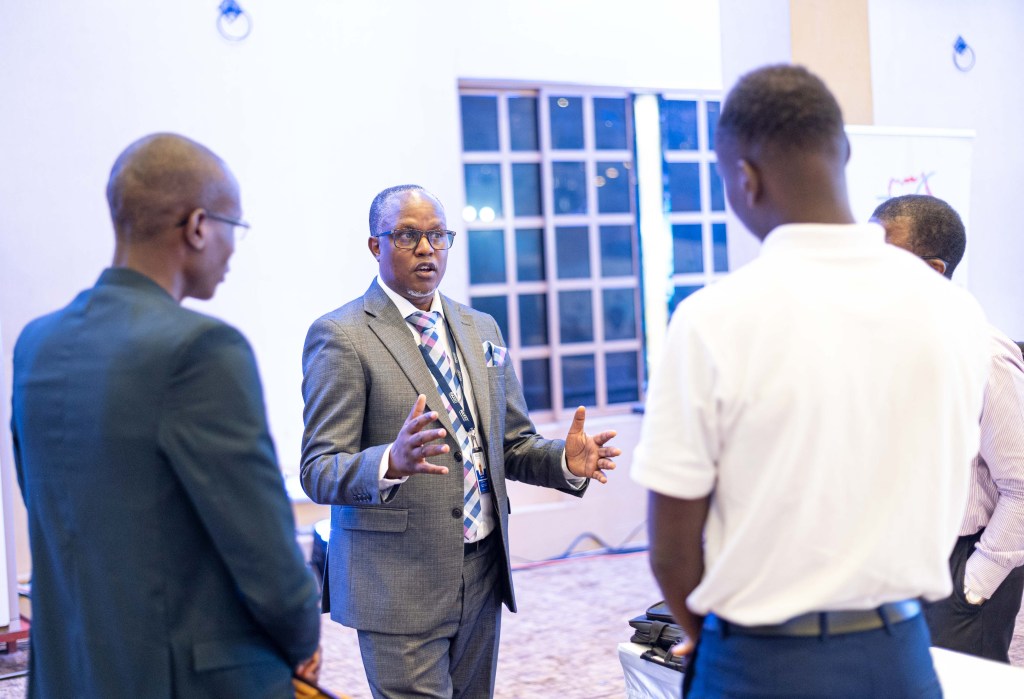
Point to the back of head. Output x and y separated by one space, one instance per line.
935 228
160 178
781 107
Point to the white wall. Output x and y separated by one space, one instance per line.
754 33
916 84
326 103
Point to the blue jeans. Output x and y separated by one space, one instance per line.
890 663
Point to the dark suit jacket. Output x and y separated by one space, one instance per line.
163 545
396 566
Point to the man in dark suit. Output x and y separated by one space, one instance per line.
163 546
414 419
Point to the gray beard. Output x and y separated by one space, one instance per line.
419 294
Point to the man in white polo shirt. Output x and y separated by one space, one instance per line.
814 415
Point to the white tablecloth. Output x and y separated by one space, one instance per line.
962 676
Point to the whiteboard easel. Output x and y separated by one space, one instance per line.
888 162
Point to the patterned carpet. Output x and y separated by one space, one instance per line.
562 644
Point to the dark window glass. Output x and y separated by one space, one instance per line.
569 183
683 186
717 192
522 117
687 248
720 249
479 123
621 375
566 122
578 381
612 182
610 123
537 383
526 189
486 257
483 189
619 314
494 306
681 293
714 110
575 316
530 254
616 251
533 319
679 125
572 252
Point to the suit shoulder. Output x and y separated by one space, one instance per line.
349 313
479 317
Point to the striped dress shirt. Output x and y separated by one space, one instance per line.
996 500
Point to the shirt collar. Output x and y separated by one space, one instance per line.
823 238
404 306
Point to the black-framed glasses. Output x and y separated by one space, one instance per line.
409 238
236 222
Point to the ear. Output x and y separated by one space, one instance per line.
937 264
193 232
373 243
749 181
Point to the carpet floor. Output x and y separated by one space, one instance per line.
561 644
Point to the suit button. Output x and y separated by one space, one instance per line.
457 512
458 456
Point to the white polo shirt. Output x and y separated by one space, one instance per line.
827 395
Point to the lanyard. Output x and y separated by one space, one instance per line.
476 456
442 382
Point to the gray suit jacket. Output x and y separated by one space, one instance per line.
164 560
395 566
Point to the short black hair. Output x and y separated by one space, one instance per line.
785 106
936 231
381 202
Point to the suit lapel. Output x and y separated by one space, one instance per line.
471 347
393 331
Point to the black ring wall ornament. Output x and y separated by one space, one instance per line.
963 55
233 23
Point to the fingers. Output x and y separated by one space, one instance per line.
603 437
684 647
429 468
421 438
578 418
417 408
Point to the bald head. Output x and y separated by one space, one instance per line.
159 179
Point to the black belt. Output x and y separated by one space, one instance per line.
823 623
474 546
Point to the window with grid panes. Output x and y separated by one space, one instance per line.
693 191
553 253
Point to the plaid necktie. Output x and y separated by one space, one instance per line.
426 324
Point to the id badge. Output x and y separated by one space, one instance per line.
481 471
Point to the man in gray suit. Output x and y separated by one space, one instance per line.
414 419
163 545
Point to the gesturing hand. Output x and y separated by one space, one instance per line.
309 670
412 447
585 455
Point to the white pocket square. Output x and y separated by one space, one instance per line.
494 355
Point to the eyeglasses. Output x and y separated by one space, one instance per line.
236 222
409 238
